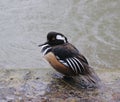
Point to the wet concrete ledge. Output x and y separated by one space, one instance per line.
40 85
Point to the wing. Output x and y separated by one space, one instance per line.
69 56
73 63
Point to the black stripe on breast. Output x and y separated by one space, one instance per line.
46 48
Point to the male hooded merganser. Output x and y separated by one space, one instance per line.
66 59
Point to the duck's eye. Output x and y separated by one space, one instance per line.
53 38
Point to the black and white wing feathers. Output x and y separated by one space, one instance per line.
73 63
70 57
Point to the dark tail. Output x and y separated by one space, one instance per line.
88 81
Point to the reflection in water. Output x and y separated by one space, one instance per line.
93 26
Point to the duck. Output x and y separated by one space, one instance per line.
67 60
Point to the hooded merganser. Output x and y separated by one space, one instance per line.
66 59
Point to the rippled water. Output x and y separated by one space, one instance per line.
93 26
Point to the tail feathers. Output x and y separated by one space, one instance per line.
88 81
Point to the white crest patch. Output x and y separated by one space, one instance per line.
59 37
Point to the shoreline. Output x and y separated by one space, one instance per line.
40 85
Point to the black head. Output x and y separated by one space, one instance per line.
54 38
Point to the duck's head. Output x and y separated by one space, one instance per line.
54 38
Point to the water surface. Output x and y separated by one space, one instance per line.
93 26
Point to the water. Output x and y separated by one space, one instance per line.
93 26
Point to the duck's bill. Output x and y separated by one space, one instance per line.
42 44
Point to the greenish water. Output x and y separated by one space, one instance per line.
93 26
